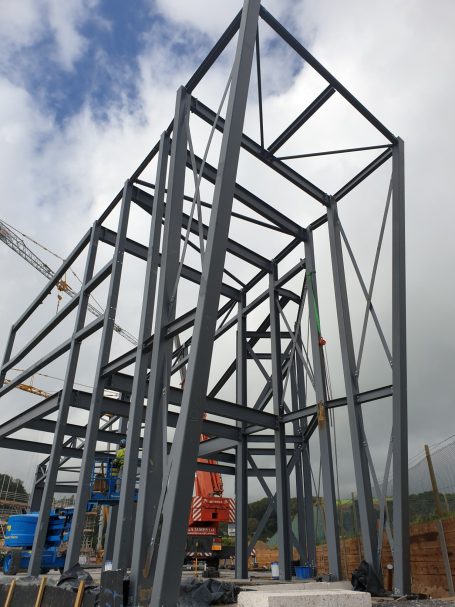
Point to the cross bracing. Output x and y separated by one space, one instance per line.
263 295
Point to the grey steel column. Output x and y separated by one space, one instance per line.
333 540
154 449
7 355
361 470
241 462
38 489
300 495
34 567
282 478
306 463
123 421
88 457
401 580
124 521
110 533
186 440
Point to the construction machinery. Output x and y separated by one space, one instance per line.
208 510
20 532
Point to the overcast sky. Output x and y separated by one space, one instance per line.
87 86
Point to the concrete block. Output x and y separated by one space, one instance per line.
294 586
304 598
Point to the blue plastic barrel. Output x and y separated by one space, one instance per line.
303 572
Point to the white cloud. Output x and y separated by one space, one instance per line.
20 24
209 17
29 22
64 20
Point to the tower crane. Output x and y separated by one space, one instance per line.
31 389
17 244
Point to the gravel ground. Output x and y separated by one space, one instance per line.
259 579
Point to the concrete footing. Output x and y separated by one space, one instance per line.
289 596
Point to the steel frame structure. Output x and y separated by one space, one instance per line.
150 537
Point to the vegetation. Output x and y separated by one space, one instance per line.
421 508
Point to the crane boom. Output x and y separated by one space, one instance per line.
18 245
31 389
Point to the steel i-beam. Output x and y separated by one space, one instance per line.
402 579
88 458
363 482
328 482
184 452
126 505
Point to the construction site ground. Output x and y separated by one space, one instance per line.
262 580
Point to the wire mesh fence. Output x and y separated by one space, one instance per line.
431 482
431 496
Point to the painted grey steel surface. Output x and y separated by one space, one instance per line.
281 420
325 442
402 577
362 473
34 567
282 479
138 393
153 452
88 457
241 455
179 486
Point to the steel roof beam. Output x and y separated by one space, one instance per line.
140 251
301 119
264 156
308 57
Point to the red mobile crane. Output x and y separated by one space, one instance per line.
208 509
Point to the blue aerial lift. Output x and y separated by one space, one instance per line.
20 530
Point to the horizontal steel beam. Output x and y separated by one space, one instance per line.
145 200
216 445
47 425
117 365
214 406
301 119
53 355
205 113
364 173
29 446
253 202
229 410
363 397
17 444
121 408
54 322
264 334
140 251
65 488
99 277
269 438
39 411
291 273
308 57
